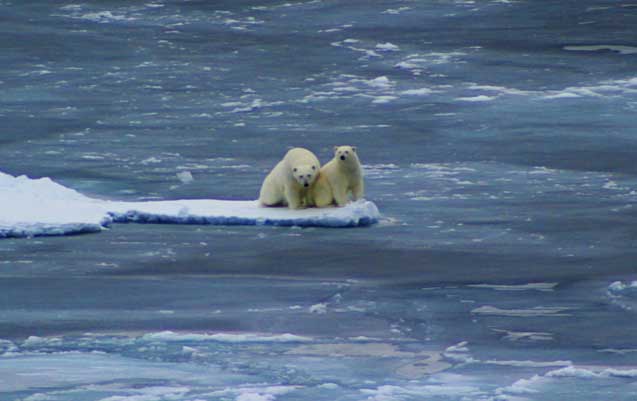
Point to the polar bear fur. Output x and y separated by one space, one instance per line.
288 183
340 176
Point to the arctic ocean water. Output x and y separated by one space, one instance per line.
498 141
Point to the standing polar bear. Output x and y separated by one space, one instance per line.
290 180
341 175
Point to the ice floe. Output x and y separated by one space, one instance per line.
518 287
169 336
37 207
531 312
614 48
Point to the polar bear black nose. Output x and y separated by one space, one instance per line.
342 157
306 185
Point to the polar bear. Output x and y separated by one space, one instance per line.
288 183
341 175
320 194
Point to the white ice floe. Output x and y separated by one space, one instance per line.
185 177
515 336
35 207
614 48
623 294
518 287
531 312
592 373
480 98
417 92
387 47
618 286
170 336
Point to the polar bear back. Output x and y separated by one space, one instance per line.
299 157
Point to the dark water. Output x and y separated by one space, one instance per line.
498 142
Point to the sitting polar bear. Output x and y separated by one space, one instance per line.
341 175
288 183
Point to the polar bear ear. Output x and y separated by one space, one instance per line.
354 149
335 148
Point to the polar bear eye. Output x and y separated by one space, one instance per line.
295 170
313 167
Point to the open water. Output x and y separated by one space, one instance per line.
498 140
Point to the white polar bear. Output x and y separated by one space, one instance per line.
341 175
288 183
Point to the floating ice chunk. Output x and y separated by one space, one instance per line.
219 212
417 92
532 312
592 373
529 364
387 47
379 82
395 11
383 99
614 48
150 160
619 287
31 207
519 287
103 17
562 95
34 207
185 177
480 98
265 393
525 335
318 308
170 336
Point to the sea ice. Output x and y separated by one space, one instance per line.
35 207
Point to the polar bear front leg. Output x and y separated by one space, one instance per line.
358 190
293 198
340 196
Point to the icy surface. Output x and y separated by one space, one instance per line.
35 207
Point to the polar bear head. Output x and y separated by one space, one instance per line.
346 154
305 174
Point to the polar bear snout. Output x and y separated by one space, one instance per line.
306 179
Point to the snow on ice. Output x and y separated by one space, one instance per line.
36 207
